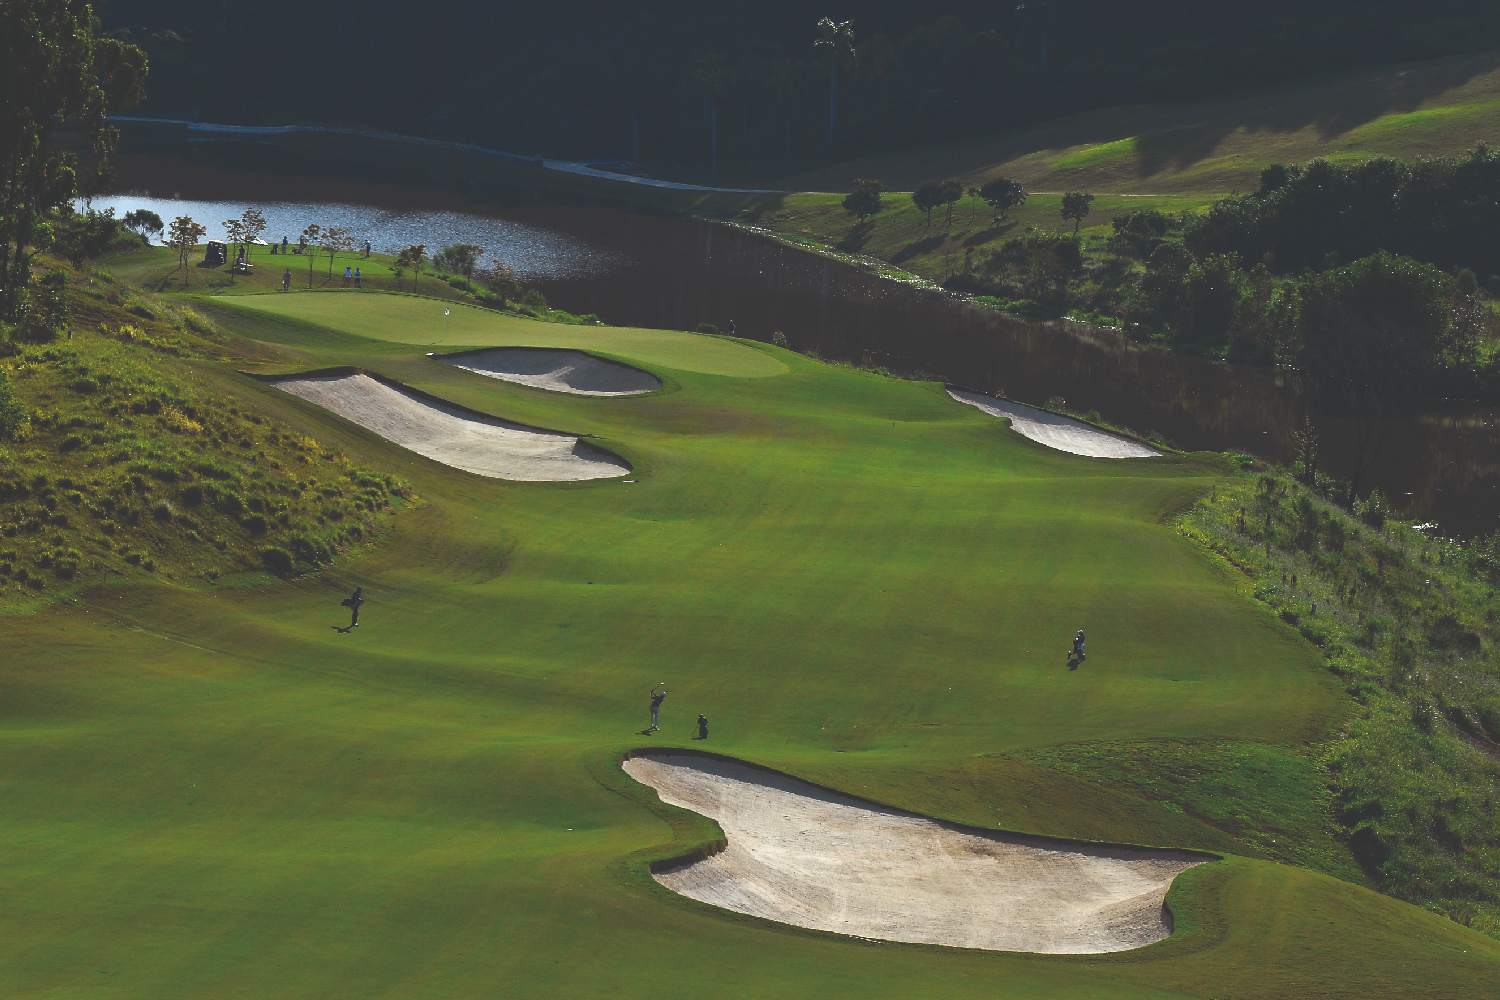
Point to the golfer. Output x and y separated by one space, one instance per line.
286 280
658 695
353 602
1078 653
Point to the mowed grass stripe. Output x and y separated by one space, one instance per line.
858 580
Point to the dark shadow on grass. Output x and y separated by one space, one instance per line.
920 247
859 234
995 230
1334 107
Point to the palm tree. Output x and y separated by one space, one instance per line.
835 44
709 75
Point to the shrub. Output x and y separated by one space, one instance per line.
1139 233
278 561
1374 510
13 418
864 200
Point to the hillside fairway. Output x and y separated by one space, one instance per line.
212 792
1431 108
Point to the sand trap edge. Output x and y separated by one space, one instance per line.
720 843
455 358
343 371
950 389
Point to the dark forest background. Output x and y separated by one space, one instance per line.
644 82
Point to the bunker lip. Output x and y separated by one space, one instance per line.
556 369
797 853
1053 429
448 433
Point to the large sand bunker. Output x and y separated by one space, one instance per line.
557 370
799 854
453 435
1055 430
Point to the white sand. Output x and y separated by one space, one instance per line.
798 854
558 370
455 436
1056 431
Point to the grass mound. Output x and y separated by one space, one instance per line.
135 460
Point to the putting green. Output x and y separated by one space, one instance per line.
860 581
413 319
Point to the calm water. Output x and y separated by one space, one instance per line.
534 251
671 272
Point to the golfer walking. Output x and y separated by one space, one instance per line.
353 602
658 695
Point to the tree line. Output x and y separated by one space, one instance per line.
764 80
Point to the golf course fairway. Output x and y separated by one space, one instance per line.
212 792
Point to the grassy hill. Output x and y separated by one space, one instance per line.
1173 158
213 792
143 455
1441 106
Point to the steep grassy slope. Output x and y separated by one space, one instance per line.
857 579
142 454
1419 109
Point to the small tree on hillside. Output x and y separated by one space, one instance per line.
310 238
410 259
1076 206
143 222
458 258
1002 194
500 279
234 232
252 225
183 237
949 192
927 196
864 200
336 240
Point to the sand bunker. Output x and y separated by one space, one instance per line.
557 370
456 436
1055 431
802 855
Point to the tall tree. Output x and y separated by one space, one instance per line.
312 237
1076 206
252 225
336 240
949 192
143 222
927 196
709 76
234 232
835 45
54 72
1002 194
183 236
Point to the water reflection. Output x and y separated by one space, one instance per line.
1442 467
534 251
666 271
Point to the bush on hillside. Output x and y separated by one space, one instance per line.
1139 233
864 200
12 414
1444 211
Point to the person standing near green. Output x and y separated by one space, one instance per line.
353 603
658 695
